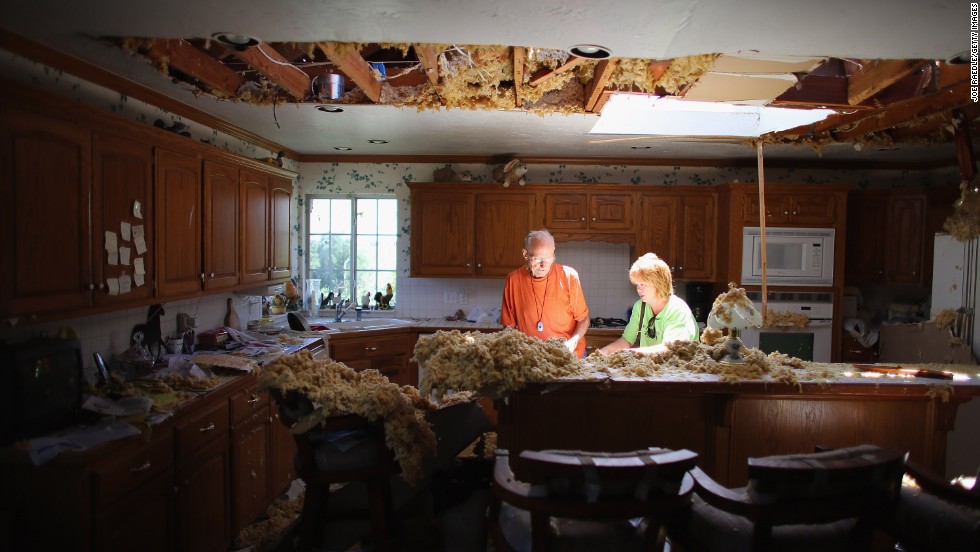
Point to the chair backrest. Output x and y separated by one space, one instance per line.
824 486
592 485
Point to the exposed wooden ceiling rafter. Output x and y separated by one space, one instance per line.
600 77
546 74
519 55
270 64
903 112
429 58
873 76
354 66
185 57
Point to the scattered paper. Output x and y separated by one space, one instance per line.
43 449
138 265
124 253
126 406
139 239
113 286
124 230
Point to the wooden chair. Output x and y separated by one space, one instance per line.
821 501
936 515
372 463
590 498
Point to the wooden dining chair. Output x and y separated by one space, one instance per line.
588 500
369 462
830 500
934 514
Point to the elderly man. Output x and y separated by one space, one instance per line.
543 298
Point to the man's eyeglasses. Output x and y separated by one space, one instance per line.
652 327
541 260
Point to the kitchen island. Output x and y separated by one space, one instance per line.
728 422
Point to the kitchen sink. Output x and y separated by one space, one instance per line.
367 323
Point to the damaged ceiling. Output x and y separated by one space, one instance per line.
496 88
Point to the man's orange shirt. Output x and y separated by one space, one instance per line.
563 303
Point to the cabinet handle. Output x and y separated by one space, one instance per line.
91 287
101 286
143 468
593 219
212 275
467 265
202 276
253 400
479 265
206 429
796 212
370 348
680 268
583 218
785 212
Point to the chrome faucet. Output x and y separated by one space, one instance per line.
339 316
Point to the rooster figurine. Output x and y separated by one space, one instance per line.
386 299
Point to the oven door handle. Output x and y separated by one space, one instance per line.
821 323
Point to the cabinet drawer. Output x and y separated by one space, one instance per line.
247 402
344 350
115 479
200 429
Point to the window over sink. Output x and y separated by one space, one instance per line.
358 227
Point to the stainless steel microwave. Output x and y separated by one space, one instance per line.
794 256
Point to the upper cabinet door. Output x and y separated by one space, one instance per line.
178 212
256 266
442 233
697 245
657 228
564 211
123 195
46 234
279 241
502 222
222 204
611 211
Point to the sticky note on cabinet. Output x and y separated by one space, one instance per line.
139 266
125 284
139 239
124 228
139 279
113 286
124 255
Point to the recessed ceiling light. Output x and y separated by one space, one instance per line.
961 58
237 41
590 51
639 147
342 148
329 109
377 141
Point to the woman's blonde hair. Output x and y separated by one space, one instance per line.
651 269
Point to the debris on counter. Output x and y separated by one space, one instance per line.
457 316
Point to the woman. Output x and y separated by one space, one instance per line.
659 316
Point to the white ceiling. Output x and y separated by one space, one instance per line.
655 29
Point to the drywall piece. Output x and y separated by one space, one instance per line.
749 78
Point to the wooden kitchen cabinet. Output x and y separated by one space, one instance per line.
145 517
471 231
222 230
792 209
256 227
681 229
202 498
282 454
251 435
886 234
280 197
388 354
178 215
46 185
122 177
592 211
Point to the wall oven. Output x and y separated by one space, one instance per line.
812 342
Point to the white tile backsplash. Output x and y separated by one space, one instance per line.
603 268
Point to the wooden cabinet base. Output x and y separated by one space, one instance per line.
728 423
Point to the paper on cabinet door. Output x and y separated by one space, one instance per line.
124 254
112 247
124 230
139 239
